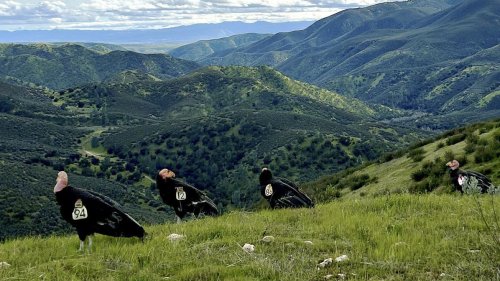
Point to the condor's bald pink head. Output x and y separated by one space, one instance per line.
453 165
61 181
166 174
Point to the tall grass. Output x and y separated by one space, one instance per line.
397 237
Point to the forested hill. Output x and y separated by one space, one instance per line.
436 56
69 65
216 128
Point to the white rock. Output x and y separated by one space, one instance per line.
268 239
4 265
249 248
442 274
307 242
341 275
341 258
175 237
328 276
325 263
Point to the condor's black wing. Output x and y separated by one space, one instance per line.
285 195
105 216
471 179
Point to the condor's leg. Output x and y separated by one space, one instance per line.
82 237
90 243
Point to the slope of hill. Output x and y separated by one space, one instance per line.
419 55
421 168
401 237
202 49
70 65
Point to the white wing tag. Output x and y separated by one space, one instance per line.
79 212
269 190
180 194
461 180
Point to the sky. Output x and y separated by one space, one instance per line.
151 14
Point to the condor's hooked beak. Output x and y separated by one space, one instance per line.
453 165
166 173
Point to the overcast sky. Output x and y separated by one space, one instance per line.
127 14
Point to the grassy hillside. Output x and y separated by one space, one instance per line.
69 65
420 168
400 237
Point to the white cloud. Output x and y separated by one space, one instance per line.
9 8
123 14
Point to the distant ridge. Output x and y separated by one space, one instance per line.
181 34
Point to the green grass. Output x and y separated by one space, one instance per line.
478 144
398 237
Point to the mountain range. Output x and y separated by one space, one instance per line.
431 56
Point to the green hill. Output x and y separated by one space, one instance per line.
420 55
399 237
420 168
69 65
202 49
217 127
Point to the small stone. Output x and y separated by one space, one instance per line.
328 276
4 265
175 237
268 239
341 258
341 276
307 242
442 274
249 248
325 263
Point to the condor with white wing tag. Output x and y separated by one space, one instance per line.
79 212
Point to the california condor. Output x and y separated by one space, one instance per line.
282 193
90 212
184 198
465 181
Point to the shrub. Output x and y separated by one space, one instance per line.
416 154
455 139
419 175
